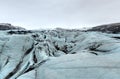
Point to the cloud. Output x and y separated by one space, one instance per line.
33 14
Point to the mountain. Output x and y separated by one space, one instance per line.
109 28
8 26
59 54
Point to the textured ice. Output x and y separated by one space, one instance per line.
59 54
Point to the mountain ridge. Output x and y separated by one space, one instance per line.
8 26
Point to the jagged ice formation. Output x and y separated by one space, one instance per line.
59 54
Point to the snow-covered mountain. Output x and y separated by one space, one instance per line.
59 54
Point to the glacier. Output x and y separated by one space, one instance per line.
59 54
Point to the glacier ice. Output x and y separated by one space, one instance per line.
59 54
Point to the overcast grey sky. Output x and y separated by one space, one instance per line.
36 14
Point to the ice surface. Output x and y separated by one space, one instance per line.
59 54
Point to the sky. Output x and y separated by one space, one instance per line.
42 14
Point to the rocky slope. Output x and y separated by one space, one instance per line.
8 26
109 28
59 54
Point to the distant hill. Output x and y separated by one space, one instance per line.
8 26
109 28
